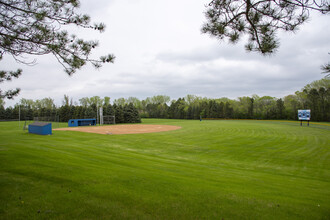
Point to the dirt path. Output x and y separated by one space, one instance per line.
122 129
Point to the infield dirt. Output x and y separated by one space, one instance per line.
122 129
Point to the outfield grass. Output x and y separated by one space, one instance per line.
206 170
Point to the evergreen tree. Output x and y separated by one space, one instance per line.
119 113
72 111
65 113
212 109
8 113
259 19
221 112
108 110
89 112
131 114
36 27
15 113
29 113
2 112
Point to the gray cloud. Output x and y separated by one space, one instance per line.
160 50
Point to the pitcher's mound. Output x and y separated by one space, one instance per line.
122 129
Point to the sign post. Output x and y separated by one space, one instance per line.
304 115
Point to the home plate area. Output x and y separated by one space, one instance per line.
121 129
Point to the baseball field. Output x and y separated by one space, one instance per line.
225 169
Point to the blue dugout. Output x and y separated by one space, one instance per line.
81 122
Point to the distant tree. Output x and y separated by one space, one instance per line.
47 103
229 110
221 110
89 112
29 113
313 103
302 98
151 111
2 112
251 107
327 105
245 107
35 27
108 110
8 114
268 107
81 112
190 99
96 100
106 101
77 112
280 109
84 101
66 100
119 113
162 99
213 109
16 113
317 84
120 101
136 102
190 113
65 113
2 102
27 103
259 19
291 103
323 103
72 111
131 114
177 109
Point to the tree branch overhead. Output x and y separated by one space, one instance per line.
34 27
259 19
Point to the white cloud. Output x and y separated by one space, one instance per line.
160 50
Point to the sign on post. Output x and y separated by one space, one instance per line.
304 115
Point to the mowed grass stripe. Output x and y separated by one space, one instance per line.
208 169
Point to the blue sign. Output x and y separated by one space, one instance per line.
304 115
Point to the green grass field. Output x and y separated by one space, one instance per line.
206 170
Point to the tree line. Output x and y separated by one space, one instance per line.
314 96
28 109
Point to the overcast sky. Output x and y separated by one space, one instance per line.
160 50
